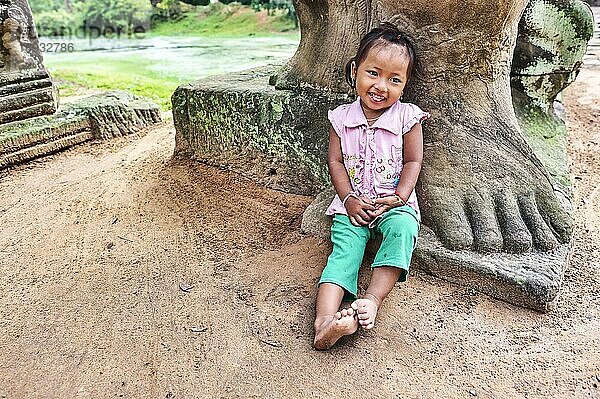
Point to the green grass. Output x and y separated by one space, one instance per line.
234 20
130 75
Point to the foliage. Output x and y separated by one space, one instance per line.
272 5
269 5
40 6
231 20
55 23
99 15
165 10
117 14
194 16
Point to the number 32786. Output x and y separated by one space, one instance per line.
57 47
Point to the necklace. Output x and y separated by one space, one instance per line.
369 120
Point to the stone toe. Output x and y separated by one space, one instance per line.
449 221
486 232
516 235
555 216
542 236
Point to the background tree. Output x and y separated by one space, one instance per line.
56 16
39 6
117 14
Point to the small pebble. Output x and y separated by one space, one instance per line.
185 287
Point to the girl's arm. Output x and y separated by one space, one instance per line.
356 207
412 159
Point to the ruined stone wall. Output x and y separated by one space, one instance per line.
102 116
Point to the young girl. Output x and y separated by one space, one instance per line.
375 155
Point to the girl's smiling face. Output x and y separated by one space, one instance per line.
381 78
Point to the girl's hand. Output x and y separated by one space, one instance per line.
384 204
358 210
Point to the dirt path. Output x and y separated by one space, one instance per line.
95 242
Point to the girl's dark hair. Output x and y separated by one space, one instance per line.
386 32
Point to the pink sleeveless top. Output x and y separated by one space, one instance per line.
373 154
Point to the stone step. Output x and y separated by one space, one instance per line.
25 99
18 77
26 86
47 148
27 113
36 131
26 94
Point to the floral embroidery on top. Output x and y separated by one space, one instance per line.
353 166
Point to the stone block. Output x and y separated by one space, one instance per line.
277 138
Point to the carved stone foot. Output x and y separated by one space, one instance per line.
484 190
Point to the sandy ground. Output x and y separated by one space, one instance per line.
96 243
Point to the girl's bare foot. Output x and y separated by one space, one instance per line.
331 328
366 310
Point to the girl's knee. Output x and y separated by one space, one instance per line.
401 228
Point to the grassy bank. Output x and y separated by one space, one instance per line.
233 20
134 75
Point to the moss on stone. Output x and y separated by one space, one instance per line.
277 137
548 138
